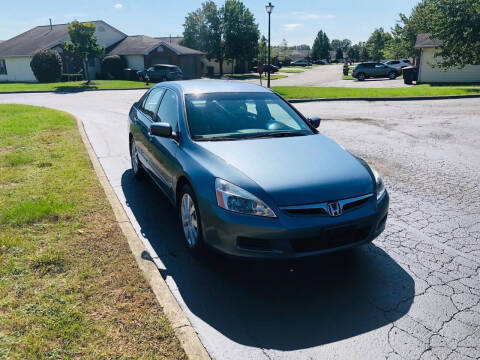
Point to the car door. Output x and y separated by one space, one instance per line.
142 119
164 150
380 70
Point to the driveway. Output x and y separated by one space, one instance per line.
412 294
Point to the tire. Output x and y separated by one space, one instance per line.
137 167
190 220
392 75
361 77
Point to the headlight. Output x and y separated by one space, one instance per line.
379 185
234 198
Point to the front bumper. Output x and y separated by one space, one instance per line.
292 236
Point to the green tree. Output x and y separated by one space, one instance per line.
321 47
83 43
353 52
203 31
363 52
377 43
456 23
240 31
339 54
404 33
284 51
47 65
262 49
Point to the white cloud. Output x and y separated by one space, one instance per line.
312 16
289 27
118 6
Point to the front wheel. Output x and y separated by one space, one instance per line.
361 77
190 220
392 76
137 166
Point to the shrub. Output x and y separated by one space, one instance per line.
47 65
113 66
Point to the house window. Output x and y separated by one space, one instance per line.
3 67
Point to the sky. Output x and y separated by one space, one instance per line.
297 21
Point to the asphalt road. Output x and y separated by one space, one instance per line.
412 294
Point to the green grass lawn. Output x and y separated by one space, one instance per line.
73 86
299 92
293 71
69 285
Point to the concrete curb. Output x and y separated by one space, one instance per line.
180 324
406 98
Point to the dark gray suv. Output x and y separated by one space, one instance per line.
374 70
161 72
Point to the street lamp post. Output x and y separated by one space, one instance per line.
269 8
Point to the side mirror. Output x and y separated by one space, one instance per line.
161 129
314 121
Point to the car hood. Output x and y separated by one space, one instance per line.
296 170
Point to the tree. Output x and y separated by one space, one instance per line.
456 23
363 52
113 66
203 31
284 50
83 43
404 33
339 54
47 65
353 53
262 49
240 31
376 44
321 47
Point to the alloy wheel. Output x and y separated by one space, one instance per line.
189 217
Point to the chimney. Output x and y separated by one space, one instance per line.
51 27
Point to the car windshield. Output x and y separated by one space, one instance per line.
232 116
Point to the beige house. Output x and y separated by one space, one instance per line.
17 52
428 74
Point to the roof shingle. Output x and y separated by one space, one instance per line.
143 45
424 41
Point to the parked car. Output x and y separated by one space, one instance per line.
301 63
398 64
320 62
232 159
161 72
273 68
374 70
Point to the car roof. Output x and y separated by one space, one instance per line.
214 86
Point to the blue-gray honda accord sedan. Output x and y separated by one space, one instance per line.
249 175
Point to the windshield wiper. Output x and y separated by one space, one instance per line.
275 134
219 138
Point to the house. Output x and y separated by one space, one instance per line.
17 52
140 51
428 74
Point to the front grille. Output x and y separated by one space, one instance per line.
322 208
332 238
